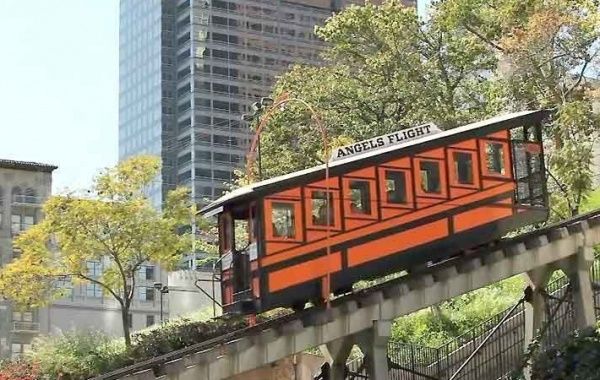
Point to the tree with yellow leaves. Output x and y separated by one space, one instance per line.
115 225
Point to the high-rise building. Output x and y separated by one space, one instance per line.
190 68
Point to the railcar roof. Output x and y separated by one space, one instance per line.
279 183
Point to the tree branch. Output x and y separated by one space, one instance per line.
580 76
484 39
94 281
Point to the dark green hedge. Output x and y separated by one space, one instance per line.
577 357
82 355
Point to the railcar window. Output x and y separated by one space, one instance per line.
430 177
284 220
360 197
463 167
319 208
395 186
495 158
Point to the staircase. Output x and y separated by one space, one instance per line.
501 353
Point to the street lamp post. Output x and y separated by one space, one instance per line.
162 289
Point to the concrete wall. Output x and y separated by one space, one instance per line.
104 315
184 296
307 366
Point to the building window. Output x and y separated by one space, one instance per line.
146 294
360 197
284 221
319 208
93 291
150 320
395 183
15 224
495 158
463 167
147 272
94 268
430 177
26 316
65 285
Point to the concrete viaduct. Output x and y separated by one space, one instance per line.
367 321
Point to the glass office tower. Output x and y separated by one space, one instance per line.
190 68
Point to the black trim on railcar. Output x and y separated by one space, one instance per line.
368 160
394 263
385 232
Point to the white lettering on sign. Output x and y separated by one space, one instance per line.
383 141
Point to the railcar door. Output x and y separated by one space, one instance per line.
226 241
238 247
528 166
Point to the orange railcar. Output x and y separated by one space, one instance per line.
390 209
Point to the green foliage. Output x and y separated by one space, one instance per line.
576 357
78 355
383 71
115 226
593 201
545 49
437 325
84 354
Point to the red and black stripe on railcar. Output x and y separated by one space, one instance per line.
390 209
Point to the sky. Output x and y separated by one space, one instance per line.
59 85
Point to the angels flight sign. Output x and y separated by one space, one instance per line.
383 141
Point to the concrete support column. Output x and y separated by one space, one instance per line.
577 268
374 344
535 305
337 353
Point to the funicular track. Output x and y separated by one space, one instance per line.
312 316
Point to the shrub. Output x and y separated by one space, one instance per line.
78 355
182 333
575 358
433 327
19 370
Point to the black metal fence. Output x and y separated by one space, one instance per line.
502 341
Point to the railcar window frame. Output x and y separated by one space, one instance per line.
291 206
363 188
335 205
329 198
468 163
409 191
424 175
397 186
504 160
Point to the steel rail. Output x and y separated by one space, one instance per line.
235 335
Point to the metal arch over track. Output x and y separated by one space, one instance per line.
366 315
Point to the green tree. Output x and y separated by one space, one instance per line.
115 226
383 70
545 49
